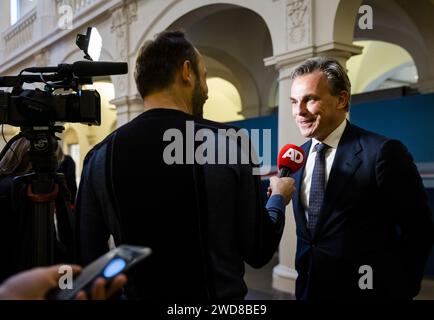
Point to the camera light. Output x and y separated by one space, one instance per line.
95 45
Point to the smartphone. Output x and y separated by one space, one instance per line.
107 266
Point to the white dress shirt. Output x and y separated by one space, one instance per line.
332 141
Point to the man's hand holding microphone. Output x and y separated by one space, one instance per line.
290 160
282 186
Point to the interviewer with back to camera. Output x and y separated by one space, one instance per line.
201 222
360 202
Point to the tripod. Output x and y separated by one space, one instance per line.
42 201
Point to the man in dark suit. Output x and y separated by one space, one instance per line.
362 215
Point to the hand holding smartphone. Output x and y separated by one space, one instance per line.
107 266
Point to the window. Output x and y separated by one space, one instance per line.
19 8
14 11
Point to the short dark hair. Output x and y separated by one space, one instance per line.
159 59
336 74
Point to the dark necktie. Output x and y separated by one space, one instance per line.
317 186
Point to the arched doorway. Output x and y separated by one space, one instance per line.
409 26
224 101
234 52
382 65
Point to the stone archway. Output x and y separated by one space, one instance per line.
223 65
408 26
237 50
168 15
382 65
270 19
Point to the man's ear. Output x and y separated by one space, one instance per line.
343 99
186 73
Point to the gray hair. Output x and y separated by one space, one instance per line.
336 74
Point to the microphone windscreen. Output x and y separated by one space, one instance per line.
291 157
94 69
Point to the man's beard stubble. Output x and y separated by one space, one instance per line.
198 100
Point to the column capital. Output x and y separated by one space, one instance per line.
339 51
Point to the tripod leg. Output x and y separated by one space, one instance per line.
43 236
65 223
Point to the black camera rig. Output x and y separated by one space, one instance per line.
47 222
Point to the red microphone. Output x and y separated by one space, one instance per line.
290 160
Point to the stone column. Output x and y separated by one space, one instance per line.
128 103
46 11
128 107
284 273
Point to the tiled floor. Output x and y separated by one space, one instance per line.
259 284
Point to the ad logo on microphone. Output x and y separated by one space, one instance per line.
294 155
290 159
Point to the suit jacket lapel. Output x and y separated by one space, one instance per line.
344 166
299 213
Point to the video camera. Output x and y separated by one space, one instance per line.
41 196
37 107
